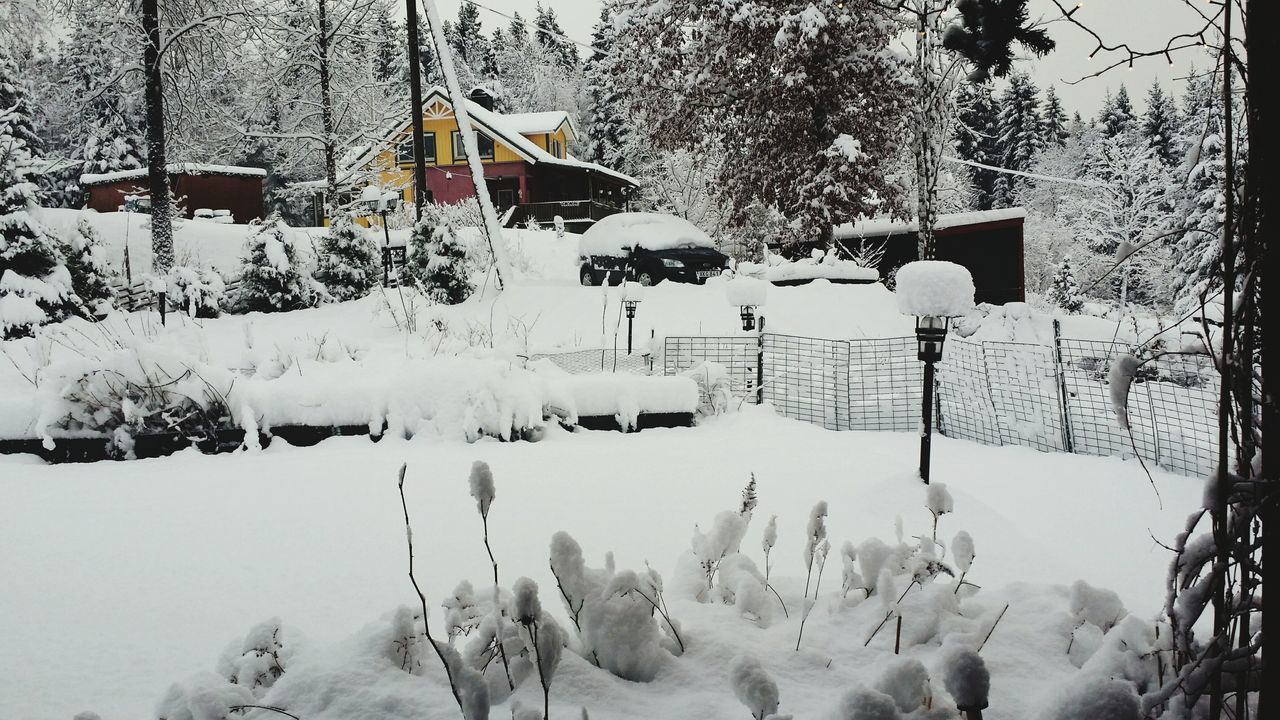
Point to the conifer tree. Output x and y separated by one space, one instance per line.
348 264
112 122
1117 117
1054 119
1159 125
607 127
1065 291
91 274
15 99
437 263
1020 133
272 278
35 287
387 38
550 36
977 139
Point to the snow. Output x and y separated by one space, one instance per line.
934 287
174 169
619 234
967 679
533 123
753 686
808 269
746 291
879 227
156 539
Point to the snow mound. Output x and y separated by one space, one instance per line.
619 234
934 287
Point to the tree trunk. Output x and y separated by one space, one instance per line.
326 110
930 126
157 171
415 100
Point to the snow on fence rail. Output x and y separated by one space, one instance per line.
1051 398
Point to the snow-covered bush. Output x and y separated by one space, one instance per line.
90 272
348 265
437 263
1064 291
753 686
1096 698
205 696
272 276
258 660
613 612
907 682
35 286
866 704
198 292
715 388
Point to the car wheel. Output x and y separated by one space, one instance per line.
587 277
645 279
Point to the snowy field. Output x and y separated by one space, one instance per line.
122 578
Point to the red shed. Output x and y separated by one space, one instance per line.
215 187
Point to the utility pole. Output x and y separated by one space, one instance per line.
415 100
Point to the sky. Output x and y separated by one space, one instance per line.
1145 24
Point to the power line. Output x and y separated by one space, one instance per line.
537 29
1033 176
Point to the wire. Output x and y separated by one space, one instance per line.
543 31
1033 176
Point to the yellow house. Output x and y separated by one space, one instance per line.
526 161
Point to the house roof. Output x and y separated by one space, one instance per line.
507 128
881 227
174 169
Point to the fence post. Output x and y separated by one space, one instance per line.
760 362
937 405
1068 440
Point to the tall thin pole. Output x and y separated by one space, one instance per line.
926 415
415 100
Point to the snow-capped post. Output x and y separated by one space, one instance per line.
632 294
492 230
749 294
934 291
378 201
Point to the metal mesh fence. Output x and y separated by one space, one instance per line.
1052 398
594 361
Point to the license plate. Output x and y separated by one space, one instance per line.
709 273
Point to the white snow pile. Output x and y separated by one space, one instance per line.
742 290
617 235
621 395
934 287
821 266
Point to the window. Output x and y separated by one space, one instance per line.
555 148
483 141
404 152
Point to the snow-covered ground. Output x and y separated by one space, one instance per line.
121 578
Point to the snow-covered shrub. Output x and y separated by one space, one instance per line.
258 660
437 263
1099 607
35 286
272 276
753 686
132 387
203 697
1064 292
614 612
815 535
348 265
715 388
866 704
1096 698
198 292
907 682
966 679
91 274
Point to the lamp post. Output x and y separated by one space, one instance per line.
632 294
749 294
931 332
376 200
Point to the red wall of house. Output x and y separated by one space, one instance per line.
445 189
241 195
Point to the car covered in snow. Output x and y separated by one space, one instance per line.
647 248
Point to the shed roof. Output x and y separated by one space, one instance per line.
173 169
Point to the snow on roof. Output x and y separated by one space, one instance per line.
174 169
538 122
618 234
506 128
878 227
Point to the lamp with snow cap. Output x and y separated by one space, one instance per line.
632 294
377 200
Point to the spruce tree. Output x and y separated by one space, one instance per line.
549 35
977 139
437 263
1054 119
111 119
1117 117
348 265
1020 133
607 127
271 277
1159 125
15 99
35 287
91 274
1065 291
388 46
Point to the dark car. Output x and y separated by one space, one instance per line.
647 248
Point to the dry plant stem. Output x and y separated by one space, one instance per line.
803 618
426 626
993 627
542 675
665 616
497 608
769 587
888 614
271 708
897 640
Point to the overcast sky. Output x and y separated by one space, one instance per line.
1145 24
